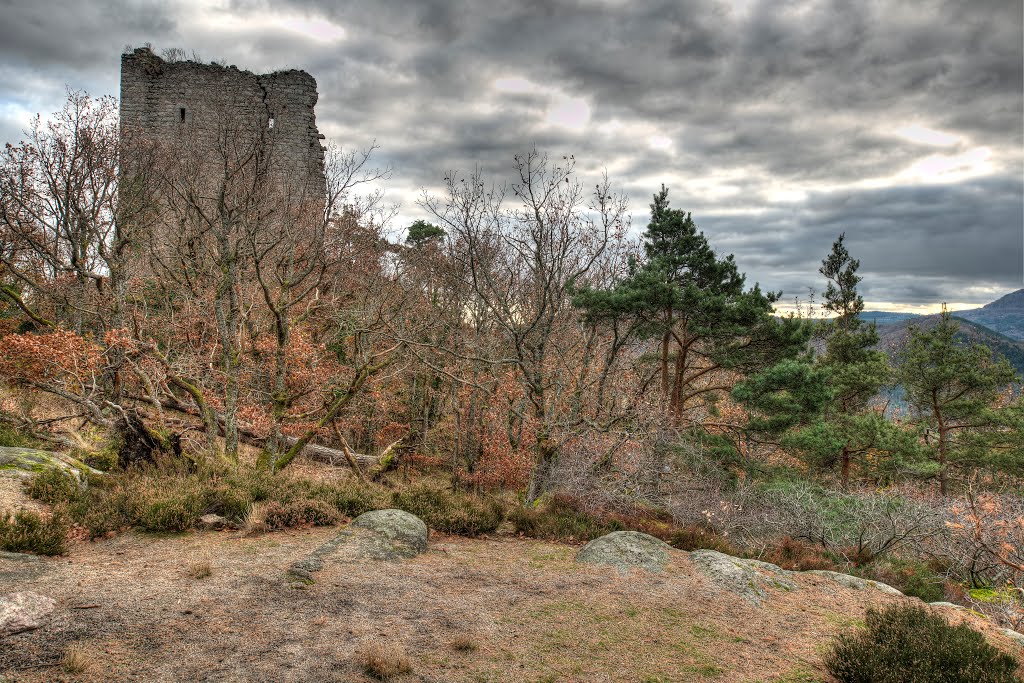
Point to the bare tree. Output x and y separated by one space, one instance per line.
521 265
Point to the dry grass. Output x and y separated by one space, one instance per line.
255 521
199 570
464 644
527 605
77 659
384 662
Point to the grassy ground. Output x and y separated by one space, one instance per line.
216 606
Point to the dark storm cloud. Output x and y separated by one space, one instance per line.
778 123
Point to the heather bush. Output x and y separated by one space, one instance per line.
26 531
299 513
450 512
914 578
901 641
561 517
54 486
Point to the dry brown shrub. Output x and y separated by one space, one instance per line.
384 662
464 643
77 659
199 570
798 556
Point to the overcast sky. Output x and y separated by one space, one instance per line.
778 123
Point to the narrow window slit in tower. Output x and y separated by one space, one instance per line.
270 122
181 114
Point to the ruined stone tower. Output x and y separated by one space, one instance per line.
181 103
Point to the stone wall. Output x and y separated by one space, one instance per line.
185 104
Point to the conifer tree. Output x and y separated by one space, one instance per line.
697 306
951 386
848 428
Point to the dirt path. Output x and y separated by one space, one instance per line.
138 607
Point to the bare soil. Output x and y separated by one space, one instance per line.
142 608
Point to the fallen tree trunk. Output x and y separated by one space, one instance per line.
331 456
313 451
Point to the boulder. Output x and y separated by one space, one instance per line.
379 535
749 579
626 550
402 534
23 612
27 462
854 582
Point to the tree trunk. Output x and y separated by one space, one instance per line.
844 476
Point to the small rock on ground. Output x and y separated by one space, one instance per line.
626 550
24 611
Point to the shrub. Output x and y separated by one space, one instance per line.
104 511
384 662
12 438
562 518
105 460
916 579
902 639
54 486
796 555
176 511
693 537
29 532
450 512
304 512
353 499
859 526
230 500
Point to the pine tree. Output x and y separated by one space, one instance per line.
951 386
849 428
697 307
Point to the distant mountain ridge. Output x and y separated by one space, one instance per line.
1004 316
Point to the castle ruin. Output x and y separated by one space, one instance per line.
185 103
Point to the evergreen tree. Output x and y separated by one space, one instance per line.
422 232
849 428
696 305
951 386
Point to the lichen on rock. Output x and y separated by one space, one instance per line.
626 550
383 535
26 462
404 534
854 582
24 611
750 579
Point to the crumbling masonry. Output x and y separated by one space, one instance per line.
178 101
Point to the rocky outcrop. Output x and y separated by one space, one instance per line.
27 462
386 535
749 579
854 582
626 550
24 611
